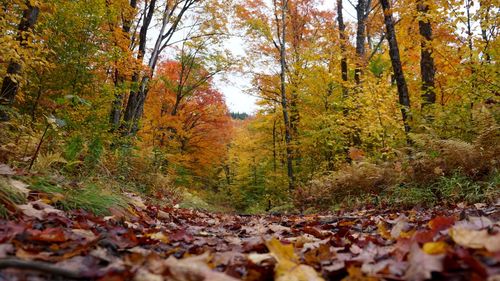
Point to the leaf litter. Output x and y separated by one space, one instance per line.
151 243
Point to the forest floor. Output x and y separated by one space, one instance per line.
146 242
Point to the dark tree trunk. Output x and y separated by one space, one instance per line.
404 98
485 7
116 107
274 148
427 67
136 97
342 37
10 86
284 102
360 39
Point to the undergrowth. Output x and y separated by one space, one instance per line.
437 171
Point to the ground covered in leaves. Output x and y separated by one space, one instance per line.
41 242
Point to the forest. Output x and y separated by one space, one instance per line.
373 152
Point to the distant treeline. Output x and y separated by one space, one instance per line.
239 116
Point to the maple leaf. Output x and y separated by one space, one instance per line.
422 265
287 266
193 269
40 212
476 239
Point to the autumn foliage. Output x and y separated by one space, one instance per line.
192 129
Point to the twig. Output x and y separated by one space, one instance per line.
42 267
38 147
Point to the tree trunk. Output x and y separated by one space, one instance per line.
485 18
116 107
342 37
10 86
427 68
284 103
404 98
360 39
133 105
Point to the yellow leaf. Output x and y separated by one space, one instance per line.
355 274
287 266
382 230
435 248
158 236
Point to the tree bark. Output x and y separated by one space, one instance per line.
134 98
427 67
10 86
485 18
342 37
284 102
135 105
116 107
361 8
404 98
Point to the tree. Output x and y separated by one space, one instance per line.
281 35
173 14
427 67
404 98
342 38
192 129
122 67
10 84
362 9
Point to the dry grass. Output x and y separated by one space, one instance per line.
431 161
352 180
436 158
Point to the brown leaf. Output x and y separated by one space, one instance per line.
6 170
193 269
476 239
49 235
422 265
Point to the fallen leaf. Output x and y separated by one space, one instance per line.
5 250
287 267
20 186
259 258
193 269
476 239
355 274
6 170
422 265
160 236
50 235
435 248
441 223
